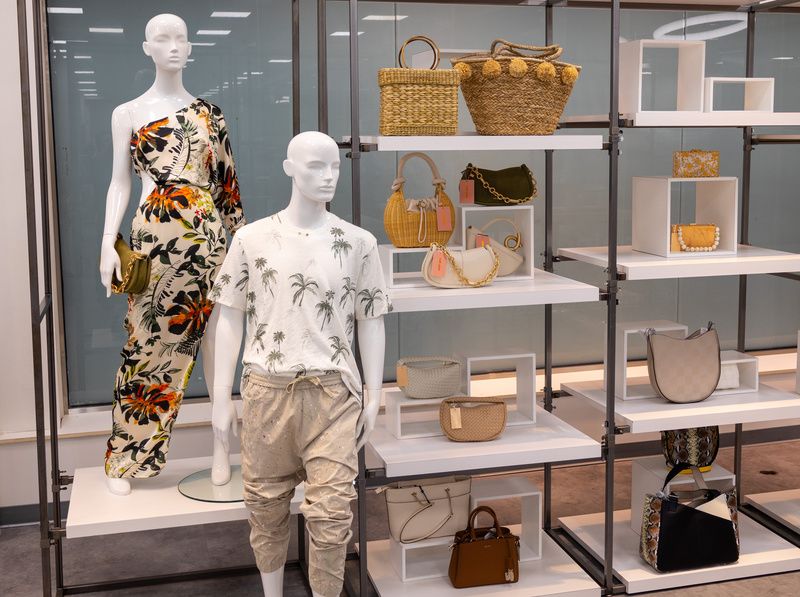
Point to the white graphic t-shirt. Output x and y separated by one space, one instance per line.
301 291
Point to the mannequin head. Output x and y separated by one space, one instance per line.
312 162
167 42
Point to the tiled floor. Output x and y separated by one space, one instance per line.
576 490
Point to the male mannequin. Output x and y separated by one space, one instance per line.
168 46
313 164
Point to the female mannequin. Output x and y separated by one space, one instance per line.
180 148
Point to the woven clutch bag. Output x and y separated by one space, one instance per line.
429 377
465 419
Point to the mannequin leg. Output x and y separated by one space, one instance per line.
220 459
118 486
273 583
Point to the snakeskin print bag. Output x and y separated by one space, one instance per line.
697 446
684 370
685 530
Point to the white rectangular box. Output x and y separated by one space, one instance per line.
759 93
424 559
716 202
522 218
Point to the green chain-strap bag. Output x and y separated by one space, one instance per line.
510 186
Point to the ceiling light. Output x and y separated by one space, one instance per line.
82 57
344 33
204 43
384 17
213 31
256 72
106 30
59 41
190 60
63 51
279 60
89 95
87 82
783 57
64 10
646 72
224 14
87 90
241 78
84 72
676 29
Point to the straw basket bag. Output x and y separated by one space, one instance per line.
418 101
509 92
417 222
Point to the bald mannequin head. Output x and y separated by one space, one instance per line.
312 162
164 22
167 42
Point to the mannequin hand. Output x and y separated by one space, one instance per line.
224 418
109 263
366 421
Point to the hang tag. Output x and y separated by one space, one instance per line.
402 376
482 240
444 222
455 417
438 264
466 192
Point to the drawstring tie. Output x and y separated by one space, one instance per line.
313 380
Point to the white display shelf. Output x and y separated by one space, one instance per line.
737 118
549 440
642 266
153 503
555 574
759 93
762 552
656 414
544 288
472 141
783 506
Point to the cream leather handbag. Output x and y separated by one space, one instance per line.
424 509
447 268
510 260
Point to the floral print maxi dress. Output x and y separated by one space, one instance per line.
181 225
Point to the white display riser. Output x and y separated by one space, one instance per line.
554 574
549 440
657 414
759 93
471 141
153 503
783 506
647 477
643 266
545 288
716 202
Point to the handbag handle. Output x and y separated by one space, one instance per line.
470 169
470 399
446 361
679 468
474 514
437 182
401 57
426 506
460 272
544 52
515 239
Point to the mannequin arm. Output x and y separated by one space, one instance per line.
119 191
228 341
371 346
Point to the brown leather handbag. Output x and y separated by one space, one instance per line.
484 556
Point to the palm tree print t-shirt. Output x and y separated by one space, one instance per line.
302 291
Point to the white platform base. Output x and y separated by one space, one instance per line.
642 266
656 414
471 141
762 552
554 574
709 119
781 505
153 503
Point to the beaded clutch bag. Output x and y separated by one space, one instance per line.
694 237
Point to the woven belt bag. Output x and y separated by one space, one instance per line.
684 370
429 377
695 164
510 259
484 556
466 419
135 269
425 509
446 268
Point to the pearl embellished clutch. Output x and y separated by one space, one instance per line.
694 237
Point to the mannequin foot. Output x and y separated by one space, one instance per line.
220 464
273 583
118 486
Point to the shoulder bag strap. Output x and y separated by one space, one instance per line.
460 272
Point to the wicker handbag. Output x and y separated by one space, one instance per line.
466 419
509 92
429 377
418 101
413 223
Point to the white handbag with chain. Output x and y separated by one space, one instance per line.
510 260
448 268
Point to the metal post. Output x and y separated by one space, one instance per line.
613 182
548 309
322 66
295 67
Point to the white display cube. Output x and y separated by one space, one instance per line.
520 215
394 277
648 474
759 93
429 558
797 370
525 375
716 202
691 73
748 372
486 490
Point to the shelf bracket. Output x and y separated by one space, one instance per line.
64 480
54 535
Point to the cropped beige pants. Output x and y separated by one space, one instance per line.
295 430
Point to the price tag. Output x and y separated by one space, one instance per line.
466 192
402 376
444 222
455 417
482 240
438 264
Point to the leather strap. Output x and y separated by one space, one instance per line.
401 57
428 504
438 181
474 514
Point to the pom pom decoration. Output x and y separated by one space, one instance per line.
517 68
569 75
491 69
545 71
464 70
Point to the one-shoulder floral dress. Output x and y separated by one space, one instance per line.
181 225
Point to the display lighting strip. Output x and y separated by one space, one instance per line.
344 33
203 43
106 30
224 14
64 10
213 32
384 17
675 29
280 60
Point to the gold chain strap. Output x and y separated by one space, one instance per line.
496 194
460 273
